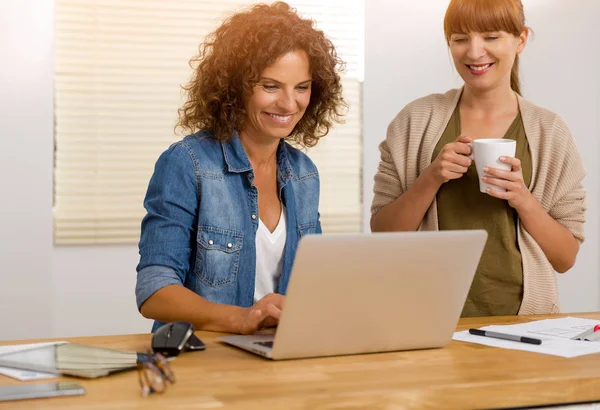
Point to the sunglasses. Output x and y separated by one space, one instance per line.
154 372
169 340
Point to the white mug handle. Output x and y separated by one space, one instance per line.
471 156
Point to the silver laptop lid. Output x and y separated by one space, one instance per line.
359 293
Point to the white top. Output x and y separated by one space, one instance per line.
269 256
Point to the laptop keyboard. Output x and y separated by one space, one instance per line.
265 344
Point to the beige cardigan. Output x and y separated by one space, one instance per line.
555 182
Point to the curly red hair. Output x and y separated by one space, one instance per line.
230 63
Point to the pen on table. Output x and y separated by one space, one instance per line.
497 335
587 333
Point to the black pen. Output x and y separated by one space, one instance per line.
496 335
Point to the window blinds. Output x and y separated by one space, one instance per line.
119 70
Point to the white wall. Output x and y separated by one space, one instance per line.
560 72
94 291
46 291
406 57
26 168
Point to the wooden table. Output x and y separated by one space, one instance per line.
461 375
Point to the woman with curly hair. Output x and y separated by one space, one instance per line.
227 205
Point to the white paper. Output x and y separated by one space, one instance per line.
24 374
555 335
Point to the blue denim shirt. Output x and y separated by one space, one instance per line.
202 217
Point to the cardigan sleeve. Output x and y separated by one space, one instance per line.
390 180
387 181
409 143
569 199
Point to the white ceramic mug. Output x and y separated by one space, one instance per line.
486 152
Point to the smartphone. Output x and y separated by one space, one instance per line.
39 390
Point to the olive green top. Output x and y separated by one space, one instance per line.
406 153
497 287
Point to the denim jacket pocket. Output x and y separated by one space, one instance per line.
218 255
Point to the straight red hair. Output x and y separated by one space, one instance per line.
465 16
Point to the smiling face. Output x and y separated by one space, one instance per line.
280 98
485 60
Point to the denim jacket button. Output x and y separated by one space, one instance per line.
253 216
229 245
210 242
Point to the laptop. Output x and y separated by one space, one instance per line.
366 293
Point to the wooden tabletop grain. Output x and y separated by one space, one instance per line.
458 376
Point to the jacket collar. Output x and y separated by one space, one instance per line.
237 161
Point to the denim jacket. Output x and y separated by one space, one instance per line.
202 217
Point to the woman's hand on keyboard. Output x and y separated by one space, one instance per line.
263 314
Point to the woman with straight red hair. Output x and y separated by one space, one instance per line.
426 179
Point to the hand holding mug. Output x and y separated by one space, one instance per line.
513 188
452 161
486 153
